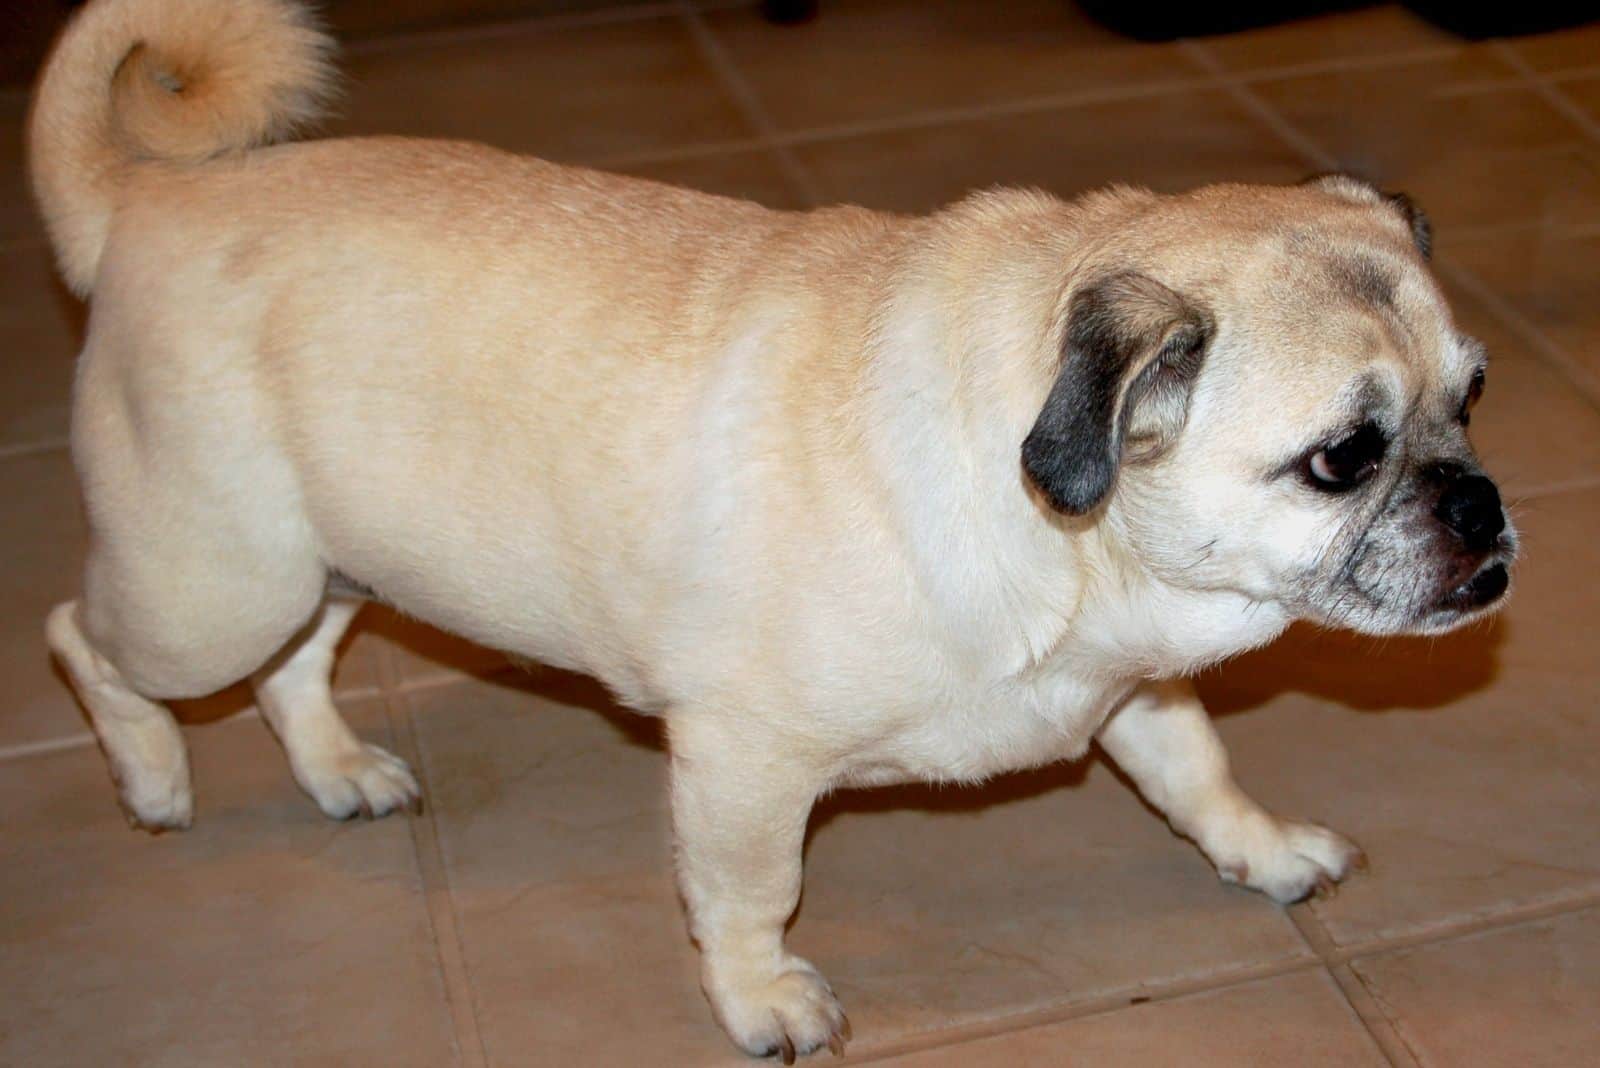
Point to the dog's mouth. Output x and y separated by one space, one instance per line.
1479 591
1468 599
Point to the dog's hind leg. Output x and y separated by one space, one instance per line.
143 746
169 620
199 570
343 775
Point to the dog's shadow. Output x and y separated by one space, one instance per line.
1358 672
1373 676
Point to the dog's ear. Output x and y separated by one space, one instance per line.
1358 189
1129 355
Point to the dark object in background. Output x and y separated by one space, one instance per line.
1477 21
1151 20
789 12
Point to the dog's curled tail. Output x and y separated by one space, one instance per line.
139 82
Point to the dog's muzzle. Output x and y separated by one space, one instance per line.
1470 510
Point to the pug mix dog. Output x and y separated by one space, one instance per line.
848 498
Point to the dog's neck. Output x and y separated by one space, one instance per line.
1026 586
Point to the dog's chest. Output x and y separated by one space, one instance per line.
987 729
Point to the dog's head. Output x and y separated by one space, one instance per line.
1263 391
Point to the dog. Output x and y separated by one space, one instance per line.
848 498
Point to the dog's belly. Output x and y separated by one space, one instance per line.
988 731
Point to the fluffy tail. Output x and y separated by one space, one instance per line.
178 81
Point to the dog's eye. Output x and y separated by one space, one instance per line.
1474 391
1348 462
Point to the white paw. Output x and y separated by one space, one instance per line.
156 804
785 1012
150 768
365 781
1289 860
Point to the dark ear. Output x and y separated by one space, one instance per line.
1129 354
1417 219
1362 191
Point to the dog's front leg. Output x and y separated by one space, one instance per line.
1164 740
740 802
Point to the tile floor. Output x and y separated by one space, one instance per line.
529 916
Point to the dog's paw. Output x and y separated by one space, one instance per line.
151 773
156 804
361 781
784 1012
1290 861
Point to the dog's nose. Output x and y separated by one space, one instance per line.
1470 506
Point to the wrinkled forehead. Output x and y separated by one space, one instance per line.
1354 305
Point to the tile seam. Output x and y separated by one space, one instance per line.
1050 1016
433 876
1378 1027
745 98
1548 90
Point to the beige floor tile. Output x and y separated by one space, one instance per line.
1548 276
265 935
1563 49
1585 90
1362 35
926 909
1298 1019
583 93
1470 154
41 325
877 61
1522 997
749 175
42 542
1534 428
1465 765
1169 142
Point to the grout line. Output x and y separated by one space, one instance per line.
23 750
404 40
48 745
1369 1010
1549 91
748 101
1576 374
1378 1026
1102 1005
34 448
1247 98
454 976
1466 927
